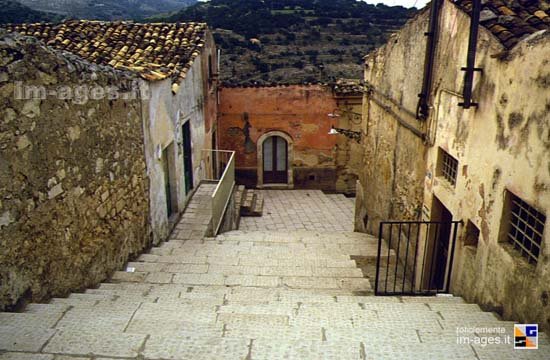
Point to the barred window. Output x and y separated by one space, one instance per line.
447 167
525 228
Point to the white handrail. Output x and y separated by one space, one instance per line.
222 193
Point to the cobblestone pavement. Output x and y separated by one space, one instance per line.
251 295
302 210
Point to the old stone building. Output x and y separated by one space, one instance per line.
102 139
281 134
484 160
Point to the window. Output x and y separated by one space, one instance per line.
472 234
525 227
447 167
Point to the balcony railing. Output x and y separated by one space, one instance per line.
221 169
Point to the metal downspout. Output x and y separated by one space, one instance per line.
471 58
422 109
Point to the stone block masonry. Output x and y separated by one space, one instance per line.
73 185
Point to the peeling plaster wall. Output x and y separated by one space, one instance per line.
348 153
194 102
299 111
503 145
394 158
73 186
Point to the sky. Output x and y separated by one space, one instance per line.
406 3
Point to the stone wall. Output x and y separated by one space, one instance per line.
394 157
348 153
301 112
73 185
502 147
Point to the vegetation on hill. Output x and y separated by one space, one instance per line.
13 12
293 41
107 9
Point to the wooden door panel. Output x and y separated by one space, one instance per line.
275 160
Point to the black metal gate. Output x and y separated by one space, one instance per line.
415 257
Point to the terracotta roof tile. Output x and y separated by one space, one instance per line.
511 20
154 51
348 87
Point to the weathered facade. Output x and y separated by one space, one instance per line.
190 112
73 184
106 178
475 164
301 115
178 64
348 152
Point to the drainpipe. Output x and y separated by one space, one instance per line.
471 58
423 109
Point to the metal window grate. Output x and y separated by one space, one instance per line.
526 228
449 167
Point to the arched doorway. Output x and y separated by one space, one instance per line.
275 150
275 159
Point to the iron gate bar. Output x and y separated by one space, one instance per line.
413 285
406 258
436 282
398 247
388 261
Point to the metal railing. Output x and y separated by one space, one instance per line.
221 169
419 257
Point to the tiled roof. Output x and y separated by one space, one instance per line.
348 87
154 51
511 20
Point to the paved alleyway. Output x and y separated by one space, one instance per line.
263 294
302 210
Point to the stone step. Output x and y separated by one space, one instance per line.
276 260
303 236
250 197
239 199
239 195
245 270
293 282
258 208
165 292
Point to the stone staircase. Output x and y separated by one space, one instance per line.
250 295
251 202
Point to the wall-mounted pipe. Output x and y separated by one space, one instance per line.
423 107
471 58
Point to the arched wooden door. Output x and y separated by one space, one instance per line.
275 160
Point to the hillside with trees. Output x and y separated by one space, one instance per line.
13 12
107 9
293 41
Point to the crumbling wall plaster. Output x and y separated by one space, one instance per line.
501 146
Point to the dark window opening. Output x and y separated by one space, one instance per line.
447 167
525 227
472 234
